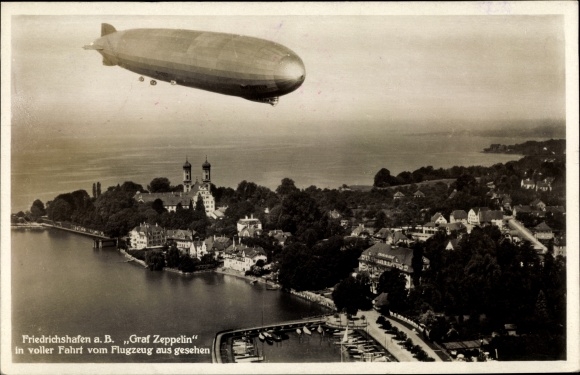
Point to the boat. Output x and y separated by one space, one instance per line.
253 358
253 282
306 330
267 334
261 336
284 336
269 340
320 330
274 287
277 337
298 331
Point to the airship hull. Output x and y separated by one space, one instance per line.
251 68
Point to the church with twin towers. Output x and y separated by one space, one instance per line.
192 191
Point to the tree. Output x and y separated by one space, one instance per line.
155 260
351 294
37 209
393 283
94 190
383 178
98 189
159 185
187 264
286 187
59 210
158 206
173 257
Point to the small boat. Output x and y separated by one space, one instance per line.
269 340
267 334
306 330
275 287
261 336
298 331
254 358
320 330
284 336
253 282
277 338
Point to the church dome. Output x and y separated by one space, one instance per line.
206 164
187 164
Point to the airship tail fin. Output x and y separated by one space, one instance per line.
107 29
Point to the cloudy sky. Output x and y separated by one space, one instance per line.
364 70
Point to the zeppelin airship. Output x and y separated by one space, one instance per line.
251 68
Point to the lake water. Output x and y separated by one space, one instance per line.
62 286
50 166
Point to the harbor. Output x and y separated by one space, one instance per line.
320 339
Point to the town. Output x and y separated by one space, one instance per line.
467 254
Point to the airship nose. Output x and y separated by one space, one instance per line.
290 73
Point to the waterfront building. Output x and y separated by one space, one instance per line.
383 257
198 249
218 245
183 238
147 236
241 258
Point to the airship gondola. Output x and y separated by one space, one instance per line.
229 64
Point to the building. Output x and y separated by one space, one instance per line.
560 245
280 236
248 223
473 217
241 258
191 192
171 201
419 194
438 218
146 236
538 204
398 195
543 232
218 245
451 227
183 239
458 216
493 217
452 244
528 184
543 186
383 257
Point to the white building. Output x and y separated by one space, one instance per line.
244 258
146 236
248 222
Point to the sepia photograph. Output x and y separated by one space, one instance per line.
289 188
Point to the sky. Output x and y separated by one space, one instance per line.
364 71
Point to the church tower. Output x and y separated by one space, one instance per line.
206 171
186 176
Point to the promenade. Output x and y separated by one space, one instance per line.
387 340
